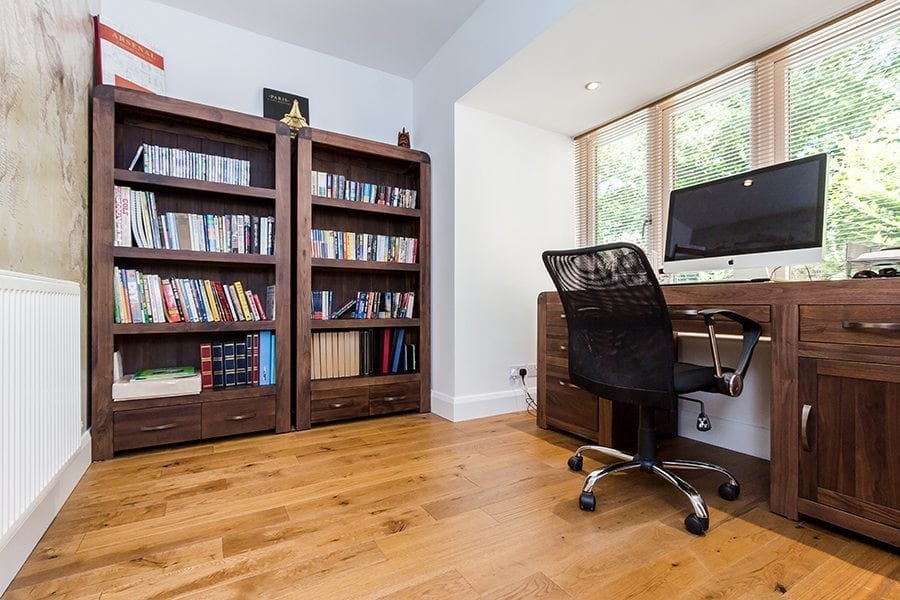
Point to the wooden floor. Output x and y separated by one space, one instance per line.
417 507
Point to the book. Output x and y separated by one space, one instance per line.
265 343
255 354
398 349
165 373
129 388
277 104
218 365
240 363
206 368
340 312
228 359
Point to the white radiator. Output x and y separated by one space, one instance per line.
40 388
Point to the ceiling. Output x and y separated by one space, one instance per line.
395 36
640 51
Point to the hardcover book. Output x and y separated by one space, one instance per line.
277 104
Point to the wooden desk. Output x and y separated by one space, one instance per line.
835 364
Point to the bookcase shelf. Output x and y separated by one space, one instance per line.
363 265
361 323
150 180
229 144
194 256
214 327
382 170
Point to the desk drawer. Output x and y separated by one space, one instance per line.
868 324
156 426
244 415
571 408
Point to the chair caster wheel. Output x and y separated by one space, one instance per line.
729 491
587 501
695 524
575 463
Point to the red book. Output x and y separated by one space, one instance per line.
259 307
223 302
206 378
385 351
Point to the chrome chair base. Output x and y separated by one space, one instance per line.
696 522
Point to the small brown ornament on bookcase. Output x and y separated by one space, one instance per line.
403 138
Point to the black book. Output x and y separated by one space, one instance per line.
277 104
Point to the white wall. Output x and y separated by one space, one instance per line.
513 199
494 33
220 65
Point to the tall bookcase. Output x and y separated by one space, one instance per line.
124 120
371 172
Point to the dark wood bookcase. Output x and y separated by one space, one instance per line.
324 400
122 121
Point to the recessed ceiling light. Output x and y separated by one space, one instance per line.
591 85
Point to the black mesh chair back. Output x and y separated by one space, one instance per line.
620 334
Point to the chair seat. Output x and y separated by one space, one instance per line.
693 378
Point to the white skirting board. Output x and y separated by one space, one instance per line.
465 408
26 532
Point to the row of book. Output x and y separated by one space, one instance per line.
366 305
137 223
148 298
362 352
247 361
332 185
178 162
347 245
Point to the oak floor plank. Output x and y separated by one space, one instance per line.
412 506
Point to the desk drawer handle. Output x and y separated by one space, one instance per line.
393 398
564 384
562 315
868 325
804 427
242 417
687 312
562 347
338 405
163 427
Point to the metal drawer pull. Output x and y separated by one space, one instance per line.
393 398
868 325
159 427
562 315
243 417
562 347
804 427
687 312
338 405
563 383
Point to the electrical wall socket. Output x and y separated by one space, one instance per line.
515 380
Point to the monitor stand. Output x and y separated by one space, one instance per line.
750 274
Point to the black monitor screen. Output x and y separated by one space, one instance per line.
781 207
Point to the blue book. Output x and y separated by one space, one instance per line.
398 350
218 365
228 352
265 342
240 363
272 360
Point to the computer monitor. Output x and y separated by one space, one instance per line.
749 222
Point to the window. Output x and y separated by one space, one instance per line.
836 90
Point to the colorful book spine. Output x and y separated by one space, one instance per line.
206 366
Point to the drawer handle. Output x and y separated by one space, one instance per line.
162 427
804 427
869 325
686 312
562 315
242 417
393 398
338 405
563 383
562 347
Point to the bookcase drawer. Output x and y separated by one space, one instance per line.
393 397
155 426
338 404
243 415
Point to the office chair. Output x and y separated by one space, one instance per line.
621 347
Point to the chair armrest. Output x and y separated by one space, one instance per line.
751 332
